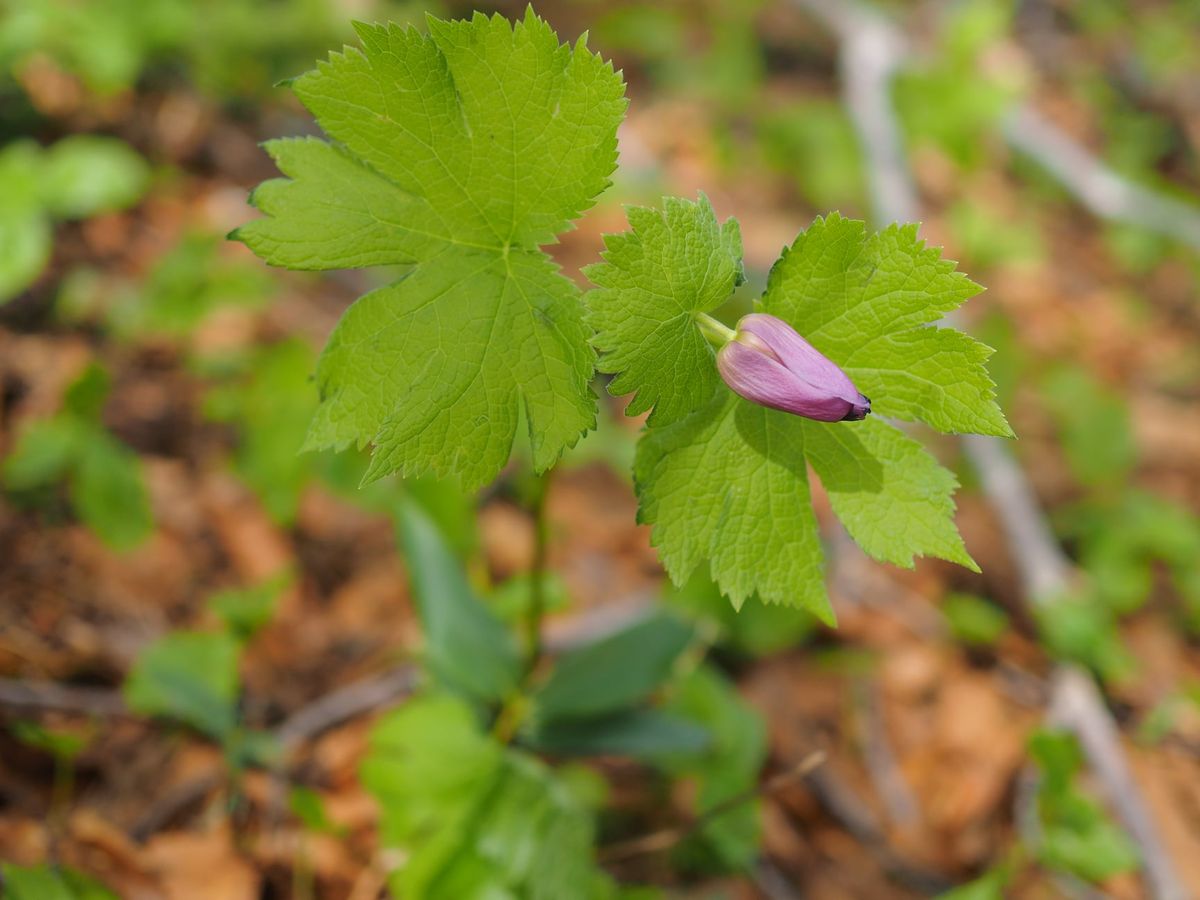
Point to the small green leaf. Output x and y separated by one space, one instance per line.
246 610
641 733
109 495
25 243
466 647
87 174
1082 630
86 395
614 673
1094 421
1076 834
271 407
655 277
973 620
64 745
188 676
45 452
308 806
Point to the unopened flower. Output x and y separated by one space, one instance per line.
768 363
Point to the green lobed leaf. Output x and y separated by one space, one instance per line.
456 154
669 266
865 301
727 485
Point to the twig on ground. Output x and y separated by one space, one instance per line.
880 761
50 696
344 703
669 837
871 49
840 801
1096 186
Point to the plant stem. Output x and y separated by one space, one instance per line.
716 333
537 572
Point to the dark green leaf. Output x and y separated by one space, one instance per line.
86 395
640 733
615 673
466 647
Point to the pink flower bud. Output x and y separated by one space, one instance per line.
768 363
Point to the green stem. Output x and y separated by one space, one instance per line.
537 573
716 333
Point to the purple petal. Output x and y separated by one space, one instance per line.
761 380
799 356
769 363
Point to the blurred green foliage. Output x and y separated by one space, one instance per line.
50 883
270 399
224 47
182 289
74 178
1076 834
102 475
972 620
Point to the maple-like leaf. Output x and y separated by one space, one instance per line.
455 155
727 484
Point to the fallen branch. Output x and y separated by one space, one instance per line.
50 696
871 50
669 837
1097 187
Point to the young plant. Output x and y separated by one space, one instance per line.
463 793
456 155
102 475
192 677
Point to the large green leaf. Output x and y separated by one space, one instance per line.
456 154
